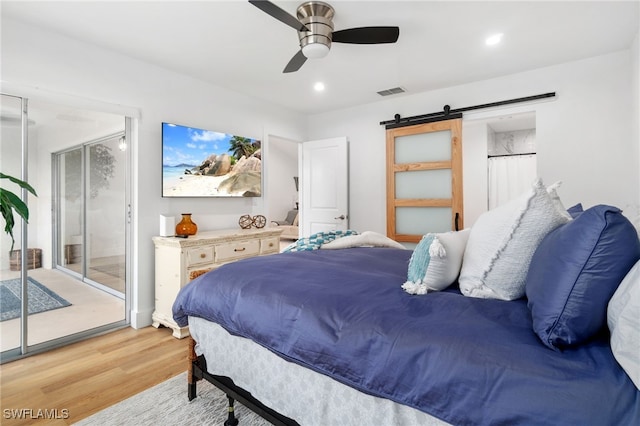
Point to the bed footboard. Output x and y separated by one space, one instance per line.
197 370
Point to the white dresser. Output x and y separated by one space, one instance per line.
179 260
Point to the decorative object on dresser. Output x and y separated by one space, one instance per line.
259 221
167 225
246 221
180 260
186 226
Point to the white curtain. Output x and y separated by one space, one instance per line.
510 176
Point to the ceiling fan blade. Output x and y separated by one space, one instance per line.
295 63
281 15
367 35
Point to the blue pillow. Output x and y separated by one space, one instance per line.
575 271
575 211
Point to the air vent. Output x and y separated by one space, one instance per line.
393 91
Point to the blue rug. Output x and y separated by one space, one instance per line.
40 298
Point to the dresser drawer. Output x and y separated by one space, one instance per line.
199 255
269 245
240 249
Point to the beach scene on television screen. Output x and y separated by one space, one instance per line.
204 163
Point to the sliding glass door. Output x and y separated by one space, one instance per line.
106 213
66 276
70 215
92 212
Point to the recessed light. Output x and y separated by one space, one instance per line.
494 39
319 86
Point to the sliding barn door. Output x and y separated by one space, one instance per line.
424 179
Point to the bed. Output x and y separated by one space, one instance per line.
529 317
444 358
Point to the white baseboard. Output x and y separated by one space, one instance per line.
141 319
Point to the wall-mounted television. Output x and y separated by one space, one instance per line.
205 163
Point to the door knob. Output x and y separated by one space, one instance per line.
341 217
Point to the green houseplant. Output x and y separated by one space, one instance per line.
10 202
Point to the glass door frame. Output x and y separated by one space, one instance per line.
24 349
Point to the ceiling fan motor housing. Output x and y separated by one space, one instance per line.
317 16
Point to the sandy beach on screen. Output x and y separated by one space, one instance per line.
193 185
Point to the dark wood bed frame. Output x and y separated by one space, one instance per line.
198 370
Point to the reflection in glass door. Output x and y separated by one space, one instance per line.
106 213
91 227
70 210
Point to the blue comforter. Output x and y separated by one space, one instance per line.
463 360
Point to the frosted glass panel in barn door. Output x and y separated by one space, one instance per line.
424 180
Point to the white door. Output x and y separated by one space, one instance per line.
324 186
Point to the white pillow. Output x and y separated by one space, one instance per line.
623 319
435 262
366 239
502 242
553 192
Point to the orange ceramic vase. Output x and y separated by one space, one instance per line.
186 226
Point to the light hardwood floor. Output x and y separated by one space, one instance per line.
86 377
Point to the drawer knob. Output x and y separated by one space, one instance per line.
240 249
203 255
270 244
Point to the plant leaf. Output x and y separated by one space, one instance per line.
19 182
7 214
10 202
13 201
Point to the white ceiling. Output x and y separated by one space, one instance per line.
235 45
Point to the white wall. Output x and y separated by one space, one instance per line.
585 136
35 58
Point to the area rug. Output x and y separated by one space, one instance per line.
167 404
39 298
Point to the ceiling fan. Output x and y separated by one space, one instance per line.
315 30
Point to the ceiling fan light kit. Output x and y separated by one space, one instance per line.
315 51
316 16
314 24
